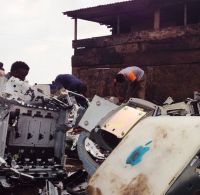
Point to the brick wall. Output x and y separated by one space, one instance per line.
170 58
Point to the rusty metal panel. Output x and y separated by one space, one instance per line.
150 158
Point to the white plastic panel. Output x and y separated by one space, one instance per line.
98 108
167 144
16 89
33 130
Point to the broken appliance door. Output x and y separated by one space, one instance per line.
150 158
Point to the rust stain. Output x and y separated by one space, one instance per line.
171 148
93 191
115 182
98 191
94 177
113 177
90 189
161 133
164 135
138 186
112 180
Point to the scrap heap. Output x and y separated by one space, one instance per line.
53 145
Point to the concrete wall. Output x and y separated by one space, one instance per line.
170 58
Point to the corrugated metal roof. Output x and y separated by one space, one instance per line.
107 14
104 13
100 6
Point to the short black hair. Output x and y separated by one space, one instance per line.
1 66
19 65
120 78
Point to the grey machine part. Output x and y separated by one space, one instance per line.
88 163
188 182
34 127
4 118
36 124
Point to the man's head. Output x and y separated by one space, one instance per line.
19 70
119 78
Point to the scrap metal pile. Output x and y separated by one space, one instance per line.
54 144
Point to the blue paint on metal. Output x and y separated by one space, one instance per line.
136 155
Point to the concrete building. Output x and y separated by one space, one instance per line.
160 36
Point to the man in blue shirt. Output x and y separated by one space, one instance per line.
69 82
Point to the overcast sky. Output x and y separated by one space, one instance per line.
36 32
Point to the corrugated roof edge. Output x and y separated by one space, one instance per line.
99 6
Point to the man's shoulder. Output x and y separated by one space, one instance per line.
62 77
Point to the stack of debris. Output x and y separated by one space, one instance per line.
54 145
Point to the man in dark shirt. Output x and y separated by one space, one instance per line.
69 82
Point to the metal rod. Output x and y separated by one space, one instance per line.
75 29
185 13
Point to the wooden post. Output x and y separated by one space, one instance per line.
157 19
75 28
185 13
118 24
